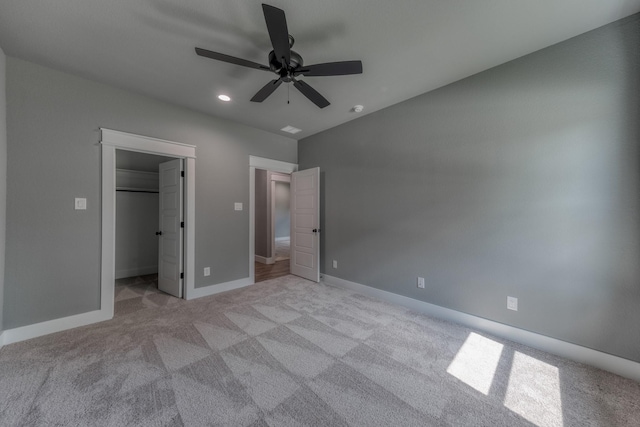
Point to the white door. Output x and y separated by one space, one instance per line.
170 234
305 224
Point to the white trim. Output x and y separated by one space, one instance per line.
136 271
267 164
271 213
190 226
145 144
252 223
110 141
220 287
272 165
280 239
617 365
108 232
51 326
265 260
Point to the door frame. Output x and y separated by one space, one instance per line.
110 140
270 165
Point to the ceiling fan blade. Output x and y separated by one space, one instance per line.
311 93
266 90
230 59
331 69
278 32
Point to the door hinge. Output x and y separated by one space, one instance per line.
182 174
182 224
182 275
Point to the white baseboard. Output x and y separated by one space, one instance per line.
264 260
280 239
220 287
22 333
617 365
137 271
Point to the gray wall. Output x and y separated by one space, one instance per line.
3 174
283 218
261 230
523 180
53 251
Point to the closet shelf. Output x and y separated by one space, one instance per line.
137 190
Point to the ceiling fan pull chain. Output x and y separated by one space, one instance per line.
288 86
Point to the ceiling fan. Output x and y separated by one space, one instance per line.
286 63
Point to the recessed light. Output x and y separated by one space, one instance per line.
224 98
290 129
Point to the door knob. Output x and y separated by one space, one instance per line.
158 233
316 230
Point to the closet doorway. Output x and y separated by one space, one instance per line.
272 224
148 240
110 141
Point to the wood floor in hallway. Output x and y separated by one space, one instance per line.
271 271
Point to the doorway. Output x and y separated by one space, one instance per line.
139 242
272 224
305 216
110 142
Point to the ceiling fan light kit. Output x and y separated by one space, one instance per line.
286 63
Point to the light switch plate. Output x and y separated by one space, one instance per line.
81 203
512 303
237 206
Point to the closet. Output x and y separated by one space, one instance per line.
137 184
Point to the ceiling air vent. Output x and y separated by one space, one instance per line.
290 129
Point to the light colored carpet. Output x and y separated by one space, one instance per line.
138 293
293 353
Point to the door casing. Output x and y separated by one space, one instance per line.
270 165
110 140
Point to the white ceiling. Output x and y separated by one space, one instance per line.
407 47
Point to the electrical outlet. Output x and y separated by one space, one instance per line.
421 282
207 271
80 204
512 303
237 206
335 263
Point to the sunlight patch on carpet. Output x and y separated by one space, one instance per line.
476 362
534 391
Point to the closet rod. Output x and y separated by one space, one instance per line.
139 191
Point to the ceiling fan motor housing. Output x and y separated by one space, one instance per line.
278 67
